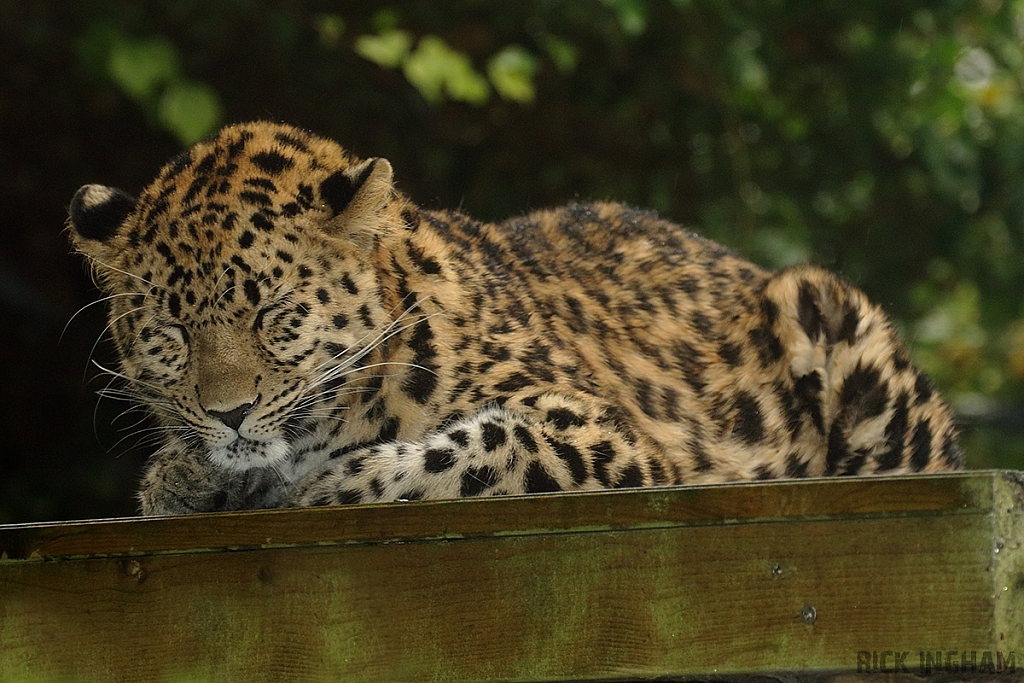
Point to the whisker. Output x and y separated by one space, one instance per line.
107 327
138 334
123 413
276 468
146 412
96 410
152 387
216 284
90 305
314 399
148 436
327 416
347 372
95 261
383 335
347 363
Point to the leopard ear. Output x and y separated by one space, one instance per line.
96 213
355 197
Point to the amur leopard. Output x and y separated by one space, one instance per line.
305 335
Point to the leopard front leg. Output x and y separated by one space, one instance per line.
555 445
179 480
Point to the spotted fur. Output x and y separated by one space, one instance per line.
308 336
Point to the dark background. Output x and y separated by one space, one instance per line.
881 139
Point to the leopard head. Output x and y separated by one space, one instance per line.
242 290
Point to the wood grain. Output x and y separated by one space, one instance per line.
551 513
630 585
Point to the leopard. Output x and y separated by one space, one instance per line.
303 334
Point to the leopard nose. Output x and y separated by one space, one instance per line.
233 418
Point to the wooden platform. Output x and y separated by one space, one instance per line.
738 581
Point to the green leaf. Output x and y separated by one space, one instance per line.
465 84
632 15
563 53
511 71
435 68
141 67
190 110
386 49
426 68
385 19
330 27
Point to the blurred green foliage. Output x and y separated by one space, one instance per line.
438 71
881 139
148 70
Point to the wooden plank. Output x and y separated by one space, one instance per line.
728 580
552 513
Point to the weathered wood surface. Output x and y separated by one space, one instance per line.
669 584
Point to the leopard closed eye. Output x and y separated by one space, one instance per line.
306 335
